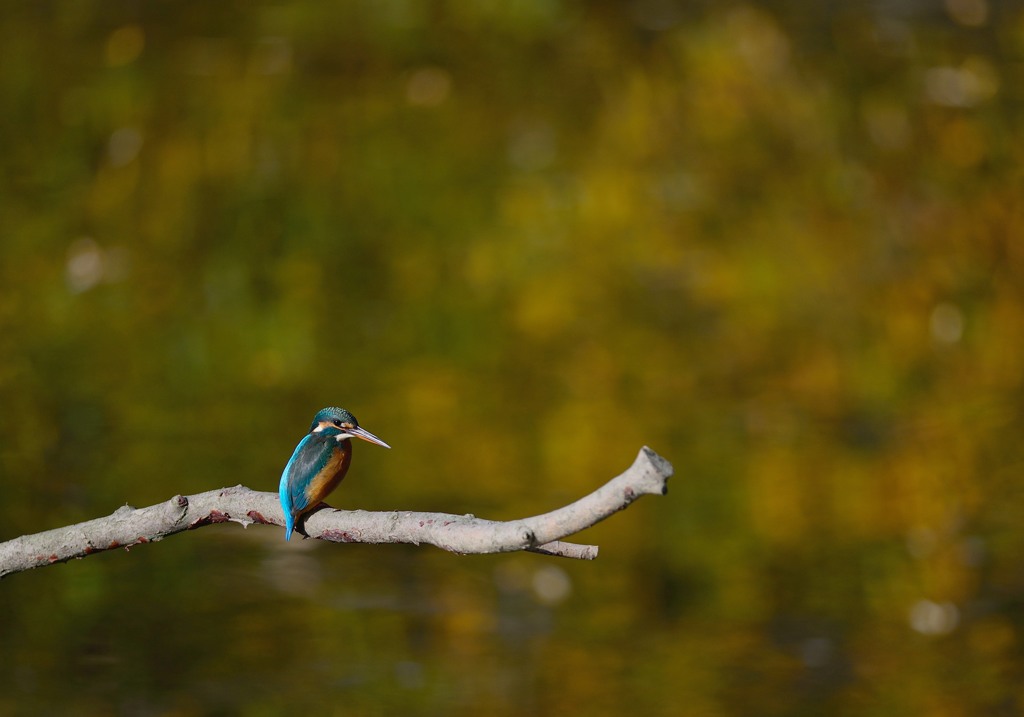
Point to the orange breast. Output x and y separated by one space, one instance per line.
329 478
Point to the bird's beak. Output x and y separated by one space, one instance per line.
366 436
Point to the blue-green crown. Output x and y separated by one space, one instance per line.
332 414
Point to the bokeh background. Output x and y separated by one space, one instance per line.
780 243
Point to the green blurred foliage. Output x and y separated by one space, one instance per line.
779 243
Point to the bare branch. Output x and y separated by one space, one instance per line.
464 534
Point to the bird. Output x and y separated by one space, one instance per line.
319 463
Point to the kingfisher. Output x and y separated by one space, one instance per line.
319 463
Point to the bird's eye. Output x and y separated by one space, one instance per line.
337 422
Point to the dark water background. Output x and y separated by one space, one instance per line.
782 244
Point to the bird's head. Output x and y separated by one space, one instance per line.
341 425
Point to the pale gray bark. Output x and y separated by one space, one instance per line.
464 534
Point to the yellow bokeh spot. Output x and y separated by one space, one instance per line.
545 308
124 45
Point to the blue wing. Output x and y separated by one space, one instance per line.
309 458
